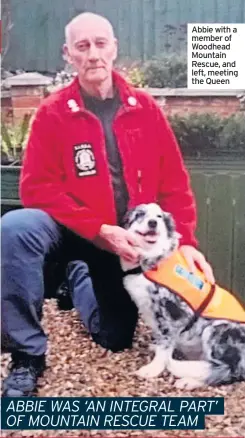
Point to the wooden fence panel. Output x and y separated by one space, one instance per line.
145 28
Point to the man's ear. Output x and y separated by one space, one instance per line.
115 50
66 54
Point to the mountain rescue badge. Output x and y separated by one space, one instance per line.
84 160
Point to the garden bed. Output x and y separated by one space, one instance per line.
77 367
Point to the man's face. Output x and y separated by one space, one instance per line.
91 49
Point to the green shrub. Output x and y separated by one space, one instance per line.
136 77
232 137
166 72
209 135
132 72
13 141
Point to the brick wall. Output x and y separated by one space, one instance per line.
224 106
22 94
6 107
183 101
18 102
21 100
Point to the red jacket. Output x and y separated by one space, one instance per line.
65 170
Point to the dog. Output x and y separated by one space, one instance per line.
212 351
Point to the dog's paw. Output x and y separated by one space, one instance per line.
188 383
148 372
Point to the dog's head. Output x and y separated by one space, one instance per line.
156 230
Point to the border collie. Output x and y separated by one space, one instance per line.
198 350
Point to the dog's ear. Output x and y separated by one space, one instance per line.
170 223
126 221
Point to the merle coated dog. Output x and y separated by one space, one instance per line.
212 351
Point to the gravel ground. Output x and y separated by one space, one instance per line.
77 367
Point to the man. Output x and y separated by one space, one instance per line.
96 148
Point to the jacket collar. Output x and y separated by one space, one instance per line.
75 105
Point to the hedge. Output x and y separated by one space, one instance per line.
210 135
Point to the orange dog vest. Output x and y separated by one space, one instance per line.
209 301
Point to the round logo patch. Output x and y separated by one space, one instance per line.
84 160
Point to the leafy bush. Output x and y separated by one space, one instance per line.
136 77
233 134
132 71
209 135
166 72
13 141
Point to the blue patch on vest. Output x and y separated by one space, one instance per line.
195 281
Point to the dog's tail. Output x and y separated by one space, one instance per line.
207 372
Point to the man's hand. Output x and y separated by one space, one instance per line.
194 257
122 242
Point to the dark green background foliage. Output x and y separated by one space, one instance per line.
210 135
166 72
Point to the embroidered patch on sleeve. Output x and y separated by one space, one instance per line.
84 160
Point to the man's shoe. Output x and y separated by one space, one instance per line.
24 372
63 296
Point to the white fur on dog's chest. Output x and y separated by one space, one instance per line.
138 286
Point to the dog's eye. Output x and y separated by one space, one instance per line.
159 215
139 214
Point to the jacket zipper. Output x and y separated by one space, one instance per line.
139 177
103 150
123 110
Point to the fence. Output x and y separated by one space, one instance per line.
145 28
220 195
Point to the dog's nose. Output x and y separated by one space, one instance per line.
152 223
